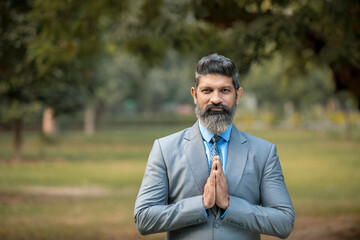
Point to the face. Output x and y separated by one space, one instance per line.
216 100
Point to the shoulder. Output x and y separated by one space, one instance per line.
254 143
173 140
260 151
256 140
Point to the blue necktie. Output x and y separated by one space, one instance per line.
214 150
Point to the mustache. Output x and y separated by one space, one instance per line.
225 108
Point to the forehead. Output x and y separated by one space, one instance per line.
215 81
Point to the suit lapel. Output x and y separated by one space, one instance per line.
195 153
237 158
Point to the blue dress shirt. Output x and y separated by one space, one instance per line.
222 144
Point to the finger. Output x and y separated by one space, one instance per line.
220 185
223 182
217 178
215 159
218 164
220 177
212 177
213 166
216 172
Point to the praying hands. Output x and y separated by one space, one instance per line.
216 188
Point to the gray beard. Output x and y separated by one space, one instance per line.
216 122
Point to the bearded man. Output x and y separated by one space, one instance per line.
212 181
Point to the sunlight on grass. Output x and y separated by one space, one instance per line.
114 174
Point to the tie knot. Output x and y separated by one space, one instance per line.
215 138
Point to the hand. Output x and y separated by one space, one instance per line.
209 190
221 186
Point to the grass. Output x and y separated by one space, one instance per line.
321 172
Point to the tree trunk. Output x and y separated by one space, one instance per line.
89 120
99 113
49 123
17 140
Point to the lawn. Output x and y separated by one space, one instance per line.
84 187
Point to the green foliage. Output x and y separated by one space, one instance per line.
16 110
127 79
275 83
70 31
68 47
49 51
48 54
324 33
17 75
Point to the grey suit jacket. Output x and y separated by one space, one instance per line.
170 196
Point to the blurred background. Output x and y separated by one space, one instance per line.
87 86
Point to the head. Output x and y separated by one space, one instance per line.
216 92
215 64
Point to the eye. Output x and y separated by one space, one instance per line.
225 90
206 90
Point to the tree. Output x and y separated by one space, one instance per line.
17 74
75 34
48 54
68 46
323 32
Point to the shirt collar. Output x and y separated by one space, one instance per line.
207 135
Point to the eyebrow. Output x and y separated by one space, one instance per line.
228 86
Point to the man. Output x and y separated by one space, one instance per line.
212 181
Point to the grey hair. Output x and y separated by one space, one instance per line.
218 65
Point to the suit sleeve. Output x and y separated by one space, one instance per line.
152 214
275 216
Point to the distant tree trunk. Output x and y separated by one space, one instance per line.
89 120
17 140
48 123
99 113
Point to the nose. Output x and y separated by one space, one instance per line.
215 98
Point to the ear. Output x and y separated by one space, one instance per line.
193 94
239 94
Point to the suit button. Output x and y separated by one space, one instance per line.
216 225
199 220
